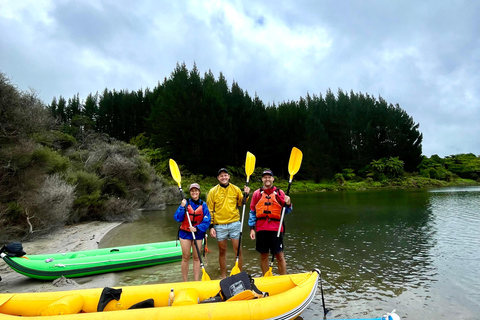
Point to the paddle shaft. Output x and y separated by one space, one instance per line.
283 210
241 222
281 221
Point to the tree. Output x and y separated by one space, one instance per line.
204 124
387 168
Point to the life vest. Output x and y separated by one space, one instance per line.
196 216
268 207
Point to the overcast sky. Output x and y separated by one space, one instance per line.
423 55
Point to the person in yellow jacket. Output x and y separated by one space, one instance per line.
223 201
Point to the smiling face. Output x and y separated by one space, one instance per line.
267 181
194 193
223 178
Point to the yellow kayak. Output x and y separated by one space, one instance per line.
288 296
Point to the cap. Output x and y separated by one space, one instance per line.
194 185
222 170
267 172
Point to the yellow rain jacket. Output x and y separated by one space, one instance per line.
223 203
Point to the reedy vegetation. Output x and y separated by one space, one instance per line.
49 178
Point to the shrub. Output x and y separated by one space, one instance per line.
85 183
118 166
54 139
50 160
117 209
52 204
87 207
115 187
18 156
14 210
339 178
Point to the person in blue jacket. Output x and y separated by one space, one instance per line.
200 219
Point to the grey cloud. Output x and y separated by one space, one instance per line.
422 55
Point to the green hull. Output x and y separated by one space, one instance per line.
88 262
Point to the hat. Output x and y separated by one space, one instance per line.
267 172
222 170
194 185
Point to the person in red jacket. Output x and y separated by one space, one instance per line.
264 220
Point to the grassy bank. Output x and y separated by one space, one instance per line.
408 182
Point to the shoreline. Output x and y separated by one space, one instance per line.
85 236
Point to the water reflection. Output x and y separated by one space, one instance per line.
414 251
371 246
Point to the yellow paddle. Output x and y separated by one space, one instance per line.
293 166
178 178
249 168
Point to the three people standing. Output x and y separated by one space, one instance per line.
221 214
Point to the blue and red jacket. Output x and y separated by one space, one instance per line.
200 218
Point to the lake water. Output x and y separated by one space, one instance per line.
416 251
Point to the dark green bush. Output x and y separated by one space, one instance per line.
54 139
115 187
86 183
50 160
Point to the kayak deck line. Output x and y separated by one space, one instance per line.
113 260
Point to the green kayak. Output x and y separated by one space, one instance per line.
88 262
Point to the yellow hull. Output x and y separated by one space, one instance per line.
289 296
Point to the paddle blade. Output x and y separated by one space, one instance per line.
205 276
295 162
175 172
268 273
235 269
249 164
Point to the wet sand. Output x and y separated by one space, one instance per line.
79 237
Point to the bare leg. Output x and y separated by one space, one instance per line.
264 262
281 263
186 246
196 260
235 249
222 257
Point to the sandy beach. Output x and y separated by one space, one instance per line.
84 236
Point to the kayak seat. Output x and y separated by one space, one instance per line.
185 297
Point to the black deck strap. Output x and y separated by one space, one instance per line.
148 303
255 289
108 294
216 298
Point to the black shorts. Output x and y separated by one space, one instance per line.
267 241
